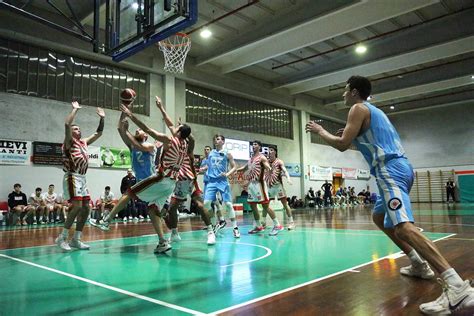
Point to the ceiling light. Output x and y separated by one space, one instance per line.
472 77
206 33
392 107
134 6
360 49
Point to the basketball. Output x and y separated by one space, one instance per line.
127 96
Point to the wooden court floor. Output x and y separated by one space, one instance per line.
334 263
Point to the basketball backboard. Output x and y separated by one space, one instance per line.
132 25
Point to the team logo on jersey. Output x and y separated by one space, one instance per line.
394 204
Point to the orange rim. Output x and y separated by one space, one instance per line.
176 45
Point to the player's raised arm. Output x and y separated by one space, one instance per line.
89 140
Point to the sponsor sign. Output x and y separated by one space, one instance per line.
294 169
47 153
349 173
240 149
94 156
115 157
320 173
363 174
15 152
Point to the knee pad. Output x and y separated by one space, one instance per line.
230 209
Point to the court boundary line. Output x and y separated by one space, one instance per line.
311 282
108 287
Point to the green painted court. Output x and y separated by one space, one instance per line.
124 276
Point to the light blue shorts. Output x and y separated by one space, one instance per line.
394 179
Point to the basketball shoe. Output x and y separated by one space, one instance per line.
452 300
422 271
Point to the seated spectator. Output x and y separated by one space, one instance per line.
295 202
63 207
49 202
106 202
361 197
36 206
131 210
17 204
244 192
319 198
340 197
367 196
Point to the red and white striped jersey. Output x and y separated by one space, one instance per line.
187 170
76 158
173 158
255 168
275 175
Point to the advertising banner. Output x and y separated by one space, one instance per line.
320 173
294 169
349 173
363 174
15 152
94 156
47 153
115 157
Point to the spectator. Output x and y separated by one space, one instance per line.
107 201
130 210
36 206
340 197
450 187
361 196
327 187
17 202
50 205
319 199
244 192
367 196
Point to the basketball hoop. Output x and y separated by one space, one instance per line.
175 49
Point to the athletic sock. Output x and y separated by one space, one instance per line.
77 235
256 224
276 222
290 219
415 258
65 233
209 228
233 222
452 278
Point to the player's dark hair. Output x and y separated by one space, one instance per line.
221 136
258 142
185 131
38 189
361 84
107 188
275 149
17 185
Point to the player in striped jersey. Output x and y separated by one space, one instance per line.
258 192
186 185
75 163
276 189
378 141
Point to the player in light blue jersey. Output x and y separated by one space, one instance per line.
219 161
378 141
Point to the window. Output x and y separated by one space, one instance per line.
330 126
213 108
43 73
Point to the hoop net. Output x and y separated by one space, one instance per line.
175 49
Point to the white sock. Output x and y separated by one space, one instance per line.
452 278
255 223
221 218
209 228
77 235
65 233
234 222
415 258
290 219
276 222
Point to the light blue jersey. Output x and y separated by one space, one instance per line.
380 145
205 162
143 163
217 163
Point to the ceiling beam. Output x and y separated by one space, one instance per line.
357 16
421 56
413 91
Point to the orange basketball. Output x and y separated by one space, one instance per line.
127 96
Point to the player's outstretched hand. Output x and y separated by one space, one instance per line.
100 112
76 105
125 110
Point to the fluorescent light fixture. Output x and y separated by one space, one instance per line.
392 107
206 33
360 49
472 77
134 6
